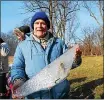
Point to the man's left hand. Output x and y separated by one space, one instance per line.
77 58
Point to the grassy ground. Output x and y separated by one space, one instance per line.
87 81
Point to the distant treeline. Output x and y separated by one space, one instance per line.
91 44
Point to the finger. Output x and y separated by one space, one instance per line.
17 97
78 51
3 53
6 51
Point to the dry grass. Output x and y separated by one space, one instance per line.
87 81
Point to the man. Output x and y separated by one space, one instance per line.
4 51
34 53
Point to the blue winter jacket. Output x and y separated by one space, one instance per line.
30 58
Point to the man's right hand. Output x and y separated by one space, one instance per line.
17 83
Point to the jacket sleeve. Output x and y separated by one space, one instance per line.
4 49
77 62
18 67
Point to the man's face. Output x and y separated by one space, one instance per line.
40 28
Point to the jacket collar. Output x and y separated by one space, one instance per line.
31 38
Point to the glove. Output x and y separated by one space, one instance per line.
4 50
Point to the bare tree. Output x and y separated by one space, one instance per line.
94 37
73 26
64 15
88 41
99 38
59 12
99 5
92 44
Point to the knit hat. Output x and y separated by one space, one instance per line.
40 15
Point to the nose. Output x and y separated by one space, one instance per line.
40 24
